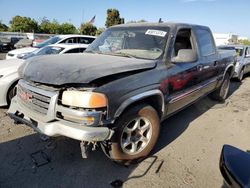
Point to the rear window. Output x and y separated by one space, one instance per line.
205 40
76 50
86 40
239 51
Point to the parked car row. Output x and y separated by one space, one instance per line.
59 39
9 67
8 43
242 66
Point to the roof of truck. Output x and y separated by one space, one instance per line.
155 24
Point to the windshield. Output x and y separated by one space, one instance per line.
47 42
239 50
137 42
47 50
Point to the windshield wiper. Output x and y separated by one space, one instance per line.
124 54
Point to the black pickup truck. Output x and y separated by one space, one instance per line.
116 94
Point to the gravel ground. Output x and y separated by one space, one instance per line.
186 155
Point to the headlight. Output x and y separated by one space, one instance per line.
84 99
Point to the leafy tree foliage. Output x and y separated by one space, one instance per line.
244 42
88 29
99 31
3 27
67 28
113 18
23 24
45 25
53 27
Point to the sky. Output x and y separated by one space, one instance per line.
222 16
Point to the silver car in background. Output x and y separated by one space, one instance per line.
243 59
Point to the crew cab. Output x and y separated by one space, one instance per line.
116 94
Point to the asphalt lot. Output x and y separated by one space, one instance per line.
186 155
2 56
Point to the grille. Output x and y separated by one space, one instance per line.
33 101
11 55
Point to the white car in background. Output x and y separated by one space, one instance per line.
9 68
58 39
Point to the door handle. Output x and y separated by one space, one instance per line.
199 67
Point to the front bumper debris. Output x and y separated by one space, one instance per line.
58 127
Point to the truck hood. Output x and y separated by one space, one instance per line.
78 68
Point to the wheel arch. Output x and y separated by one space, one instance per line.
229 69
10 87
155 98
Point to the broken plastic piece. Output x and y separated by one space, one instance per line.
85 149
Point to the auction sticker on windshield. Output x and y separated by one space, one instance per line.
156 32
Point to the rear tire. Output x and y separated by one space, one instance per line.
136 133
241 75
221 93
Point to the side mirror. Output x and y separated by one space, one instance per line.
235 166
185 56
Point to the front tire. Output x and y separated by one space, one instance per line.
136 133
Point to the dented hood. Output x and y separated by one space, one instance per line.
78 68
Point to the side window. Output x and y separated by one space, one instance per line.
85 40
247 51
70 40
183 40
205 40
76 50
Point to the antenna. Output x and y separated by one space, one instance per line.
160 21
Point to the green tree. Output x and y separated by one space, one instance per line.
45 25
3 27
54 27
244 42
67 28
99 31
113 18
23 24
88 29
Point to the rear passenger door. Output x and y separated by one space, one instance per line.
184 77
210 67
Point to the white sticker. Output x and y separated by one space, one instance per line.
156 33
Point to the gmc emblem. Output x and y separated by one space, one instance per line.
26 96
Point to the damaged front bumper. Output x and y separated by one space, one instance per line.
58 127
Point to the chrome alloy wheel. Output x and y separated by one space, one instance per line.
136 135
